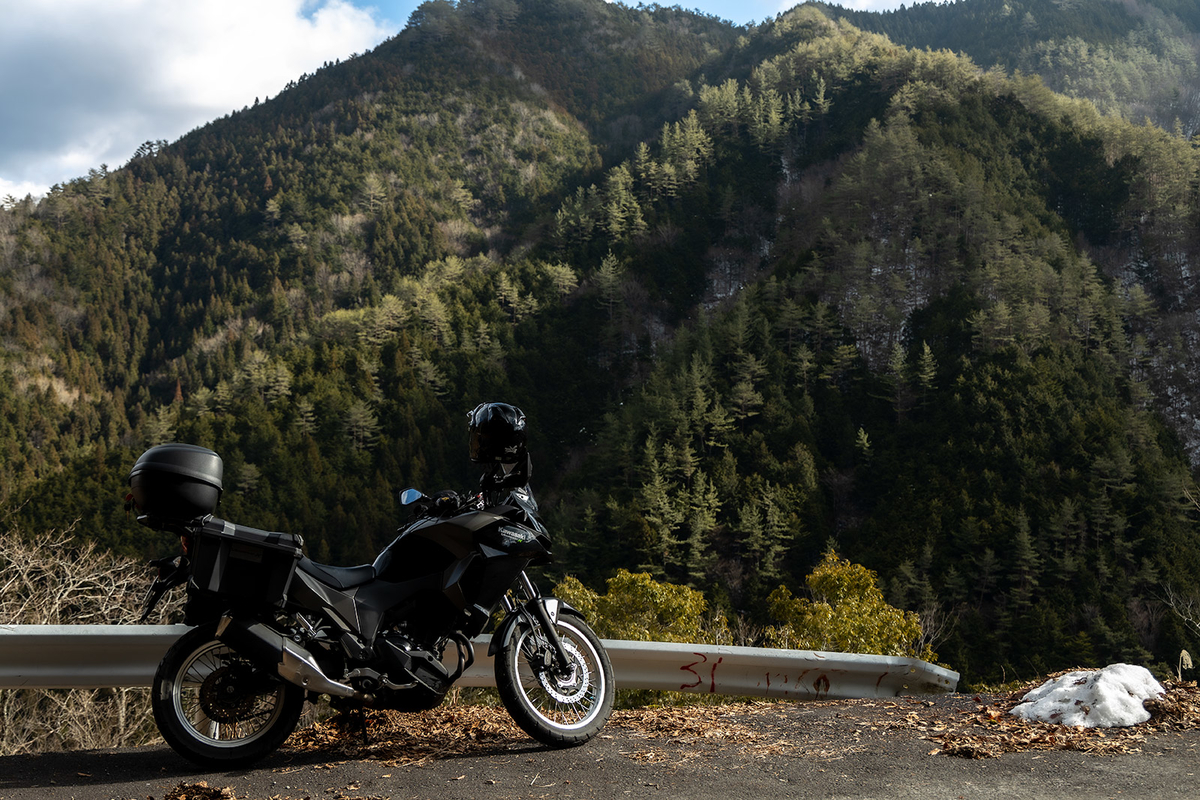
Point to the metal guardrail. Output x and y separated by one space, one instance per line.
82 656
99 656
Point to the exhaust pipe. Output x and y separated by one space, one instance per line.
293 663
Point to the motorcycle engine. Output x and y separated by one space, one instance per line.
414 678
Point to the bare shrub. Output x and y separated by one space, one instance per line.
52 579
1186 606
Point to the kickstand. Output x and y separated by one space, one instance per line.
362 725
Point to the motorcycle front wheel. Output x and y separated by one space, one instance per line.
560 708
215 708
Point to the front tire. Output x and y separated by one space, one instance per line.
215 709
560 709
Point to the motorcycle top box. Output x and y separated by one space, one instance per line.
177 482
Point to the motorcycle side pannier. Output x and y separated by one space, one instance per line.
243 565
177 482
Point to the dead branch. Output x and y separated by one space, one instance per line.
53 579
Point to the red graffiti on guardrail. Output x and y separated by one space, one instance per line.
820 686
712 673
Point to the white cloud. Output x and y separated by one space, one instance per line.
86 82
18 190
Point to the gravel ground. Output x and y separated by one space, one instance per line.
955 746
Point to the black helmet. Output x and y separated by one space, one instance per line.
497 433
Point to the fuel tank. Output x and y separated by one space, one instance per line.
467 562
432 545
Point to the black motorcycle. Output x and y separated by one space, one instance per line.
272 628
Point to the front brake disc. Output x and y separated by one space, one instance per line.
569 687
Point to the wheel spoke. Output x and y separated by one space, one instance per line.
563 700
250 717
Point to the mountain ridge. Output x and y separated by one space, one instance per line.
784 286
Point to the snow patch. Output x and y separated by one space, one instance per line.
1108 698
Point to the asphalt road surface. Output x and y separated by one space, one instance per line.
860 749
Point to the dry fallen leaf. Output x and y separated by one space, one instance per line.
199 791
984 730
990 730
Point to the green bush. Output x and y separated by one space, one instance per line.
638 608
846 615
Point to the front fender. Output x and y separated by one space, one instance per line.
504 633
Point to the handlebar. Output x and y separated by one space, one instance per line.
448 503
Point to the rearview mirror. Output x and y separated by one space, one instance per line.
410 496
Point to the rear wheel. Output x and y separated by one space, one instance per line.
558 707
215 708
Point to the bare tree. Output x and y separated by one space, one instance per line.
1185 606
52 579
937 623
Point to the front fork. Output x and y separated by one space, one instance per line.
543 611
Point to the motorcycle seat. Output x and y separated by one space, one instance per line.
337 577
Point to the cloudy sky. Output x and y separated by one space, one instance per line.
84 82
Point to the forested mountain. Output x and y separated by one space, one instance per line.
758 289
1137 58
